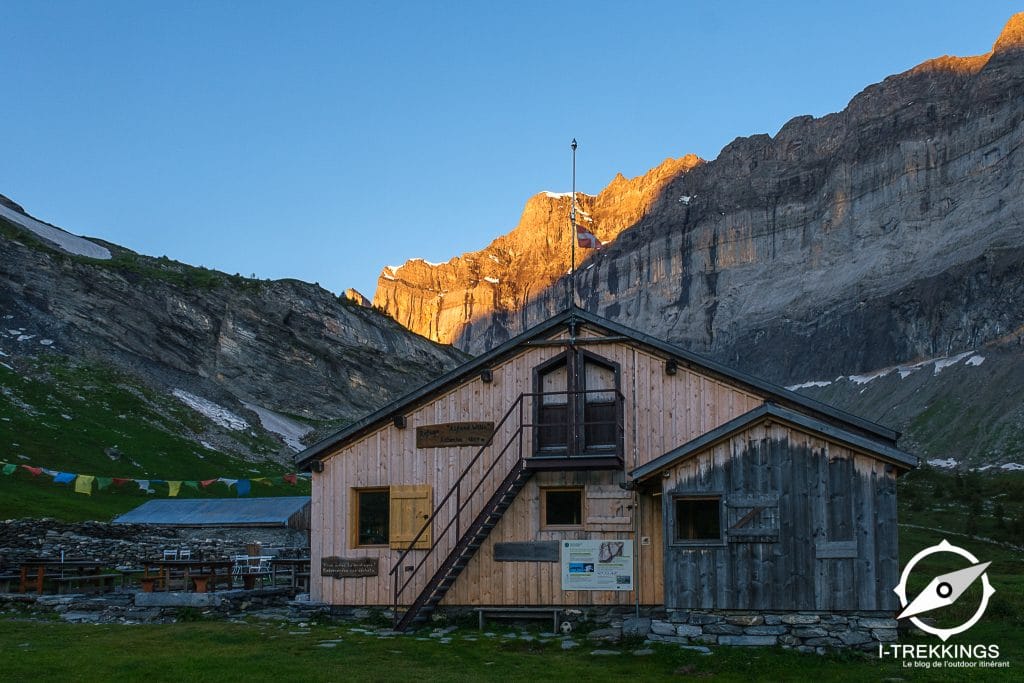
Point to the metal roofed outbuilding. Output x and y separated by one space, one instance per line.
284 511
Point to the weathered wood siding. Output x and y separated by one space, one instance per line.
834 517
661 412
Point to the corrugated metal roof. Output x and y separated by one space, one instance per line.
216 511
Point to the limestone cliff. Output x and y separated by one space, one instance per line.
889 231
441 301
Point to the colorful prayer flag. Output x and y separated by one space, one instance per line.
121 481
103 482
34 471
9 468
173 487
290 478
206 482
83 484
244 486
63 477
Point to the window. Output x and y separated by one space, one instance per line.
562 507
372 519
553 414
698 519
392 516
577 411
599 414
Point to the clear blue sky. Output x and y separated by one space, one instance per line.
324 140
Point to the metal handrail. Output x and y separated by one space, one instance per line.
461 503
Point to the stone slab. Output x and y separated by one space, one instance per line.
158 599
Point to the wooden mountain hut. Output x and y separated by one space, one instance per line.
586 465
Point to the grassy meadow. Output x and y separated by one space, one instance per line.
36 649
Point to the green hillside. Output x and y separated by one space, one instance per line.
88 418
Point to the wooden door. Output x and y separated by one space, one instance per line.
651 550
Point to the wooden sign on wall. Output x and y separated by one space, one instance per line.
348 568
454 434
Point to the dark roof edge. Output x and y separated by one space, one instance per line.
305 457
745 378
785 415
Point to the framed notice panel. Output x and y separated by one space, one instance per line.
597 565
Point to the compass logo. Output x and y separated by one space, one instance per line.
944 590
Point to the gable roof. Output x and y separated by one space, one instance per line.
546 329
771 410
216 511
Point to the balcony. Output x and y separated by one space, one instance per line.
574 430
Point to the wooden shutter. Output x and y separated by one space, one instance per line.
609 508
411 506
752 518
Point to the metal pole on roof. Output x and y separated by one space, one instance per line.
572 220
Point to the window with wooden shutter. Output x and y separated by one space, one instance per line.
411 505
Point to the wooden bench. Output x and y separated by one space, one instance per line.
519 613
98 582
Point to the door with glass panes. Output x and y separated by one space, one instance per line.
576 407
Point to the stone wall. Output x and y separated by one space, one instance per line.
802 631
129 544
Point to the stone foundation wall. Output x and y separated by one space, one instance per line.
802 631
129 544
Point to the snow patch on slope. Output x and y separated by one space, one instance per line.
65 240
288 429
940 364
946 464
218 414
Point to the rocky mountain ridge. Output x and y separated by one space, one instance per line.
830 219
884 234
286 355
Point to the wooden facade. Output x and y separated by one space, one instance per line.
807 524
666 398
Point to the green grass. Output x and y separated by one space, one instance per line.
218 651
200 649
68 416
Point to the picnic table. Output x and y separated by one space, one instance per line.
34 572
204 575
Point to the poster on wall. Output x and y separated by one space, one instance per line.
597 565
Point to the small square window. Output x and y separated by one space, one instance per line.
562 507
372 516
698 519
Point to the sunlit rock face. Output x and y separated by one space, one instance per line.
888 231
442 301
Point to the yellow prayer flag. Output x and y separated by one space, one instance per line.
173 488
83 484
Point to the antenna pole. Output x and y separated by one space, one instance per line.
572 220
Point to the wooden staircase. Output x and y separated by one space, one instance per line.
460 501
475 535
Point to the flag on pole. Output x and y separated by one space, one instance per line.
587 239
